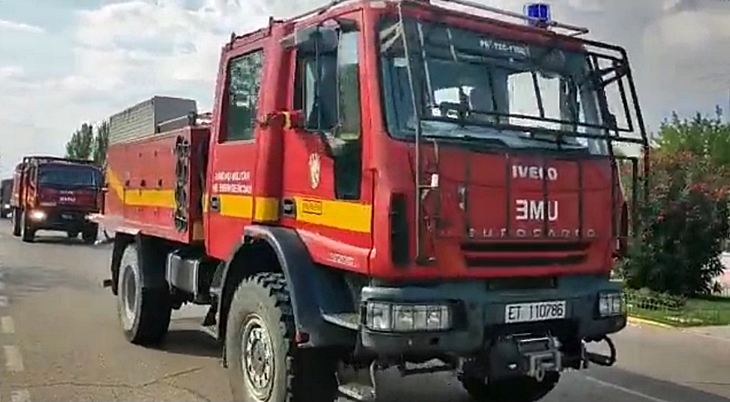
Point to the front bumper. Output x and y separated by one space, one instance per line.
479 315
59 219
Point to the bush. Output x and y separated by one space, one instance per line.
684 222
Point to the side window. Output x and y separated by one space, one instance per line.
335 105
244 83
318 104
332 105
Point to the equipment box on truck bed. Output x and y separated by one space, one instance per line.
142 120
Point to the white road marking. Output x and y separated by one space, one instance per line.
688 331
21 395
3 301
7 325
13 359
697 332
624 389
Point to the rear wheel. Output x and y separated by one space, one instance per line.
143 313
517 389
16 222
264 364
28 234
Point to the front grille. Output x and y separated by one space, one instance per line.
523 254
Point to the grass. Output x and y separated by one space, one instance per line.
700 311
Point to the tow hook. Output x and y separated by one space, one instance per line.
542 354
603 360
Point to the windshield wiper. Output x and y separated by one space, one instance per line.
473 142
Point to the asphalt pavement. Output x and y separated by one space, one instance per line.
61 342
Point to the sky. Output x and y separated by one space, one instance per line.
64 62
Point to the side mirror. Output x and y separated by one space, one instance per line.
312 39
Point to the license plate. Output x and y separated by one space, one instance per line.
530 312
67 216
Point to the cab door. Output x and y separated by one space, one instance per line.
228 205
328 188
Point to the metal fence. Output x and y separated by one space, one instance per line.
677 311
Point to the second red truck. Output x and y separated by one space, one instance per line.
56 194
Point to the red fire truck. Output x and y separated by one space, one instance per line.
6 189
51 193
382 184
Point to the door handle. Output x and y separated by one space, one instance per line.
215 203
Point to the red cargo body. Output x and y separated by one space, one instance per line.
155 184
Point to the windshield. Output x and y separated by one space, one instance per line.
469 85
69 176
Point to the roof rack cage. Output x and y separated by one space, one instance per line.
575 30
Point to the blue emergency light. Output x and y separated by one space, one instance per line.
539 14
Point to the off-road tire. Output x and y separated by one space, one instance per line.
16 222
299 375
150 318
89 235
28 233
518 389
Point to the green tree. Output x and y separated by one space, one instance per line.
81 144
701 136
101 143
685 218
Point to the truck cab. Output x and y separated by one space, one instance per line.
56 194
459 170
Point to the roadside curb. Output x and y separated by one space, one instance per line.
643 321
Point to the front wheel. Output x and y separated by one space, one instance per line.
90 234
264 363
28 232
517 389
144 313
16 222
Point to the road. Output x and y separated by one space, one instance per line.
61 342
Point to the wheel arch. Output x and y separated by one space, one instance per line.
312 289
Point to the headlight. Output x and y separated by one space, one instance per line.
407 317
6 206
37 215
610 304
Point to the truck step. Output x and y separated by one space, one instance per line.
357 392
347 320
357 384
